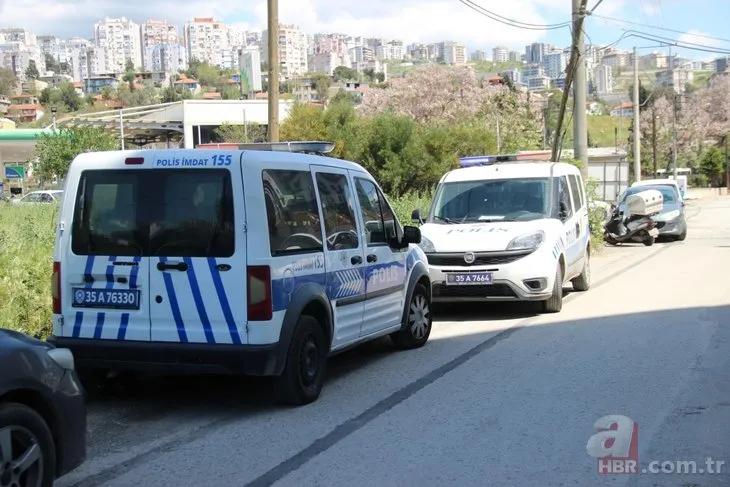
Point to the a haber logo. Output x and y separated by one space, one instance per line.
616 445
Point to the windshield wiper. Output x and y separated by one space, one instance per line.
444 219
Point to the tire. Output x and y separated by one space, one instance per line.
29 429
682 235
419 319
649 241
554 304
306 364
583 281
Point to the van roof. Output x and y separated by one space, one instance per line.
511 170
115 159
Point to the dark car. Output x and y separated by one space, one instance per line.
42 412
671 221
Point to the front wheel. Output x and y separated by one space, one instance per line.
554 304
27 451
306 363
418 321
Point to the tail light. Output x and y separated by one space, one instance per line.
259 293
134 161
56 288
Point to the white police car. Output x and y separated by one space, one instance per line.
257 261
503 228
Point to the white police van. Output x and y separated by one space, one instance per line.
504 228
259 261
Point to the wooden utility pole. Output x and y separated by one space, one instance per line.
273 60
653 139
573 66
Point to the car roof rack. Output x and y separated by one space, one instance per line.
472 161
302 147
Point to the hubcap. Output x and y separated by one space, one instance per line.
419 317
309 361
21 462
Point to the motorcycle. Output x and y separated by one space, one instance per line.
632 228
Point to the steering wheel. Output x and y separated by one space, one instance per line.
345 239
300 240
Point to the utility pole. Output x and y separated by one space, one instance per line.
727 168
637 131
674 136
571 71
580 122
273 60
653 140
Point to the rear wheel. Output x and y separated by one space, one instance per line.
418 321
649 241
583 281
555 303
306 363
27 451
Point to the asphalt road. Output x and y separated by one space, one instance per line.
499 396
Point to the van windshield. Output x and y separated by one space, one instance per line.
492 200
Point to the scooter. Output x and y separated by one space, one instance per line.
634 228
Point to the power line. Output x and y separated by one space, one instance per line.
666 29
511 22
674 42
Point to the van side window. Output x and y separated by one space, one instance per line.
339 217
105 219
393 230
564 196
291 211
195 218
372 214
575 190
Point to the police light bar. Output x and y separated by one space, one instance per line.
496 159
305 147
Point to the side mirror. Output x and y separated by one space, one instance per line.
411 235
417 216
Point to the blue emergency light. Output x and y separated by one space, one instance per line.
305 147
486 160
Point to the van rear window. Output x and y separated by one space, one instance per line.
187 213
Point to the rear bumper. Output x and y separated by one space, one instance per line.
195 358
70 404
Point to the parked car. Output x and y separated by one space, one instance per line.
42 412
671 220
40 197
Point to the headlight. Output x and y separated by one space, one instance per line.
670 215
426 245
531 241
63 357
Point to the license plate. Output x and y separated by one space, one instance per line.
106 298
469 278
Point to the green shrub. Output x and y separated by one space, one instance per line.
27 234
404 205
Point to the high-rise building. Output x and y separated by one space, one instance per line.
207 40
535 52
162 48
555 64
500 54
452 52
293 51
53 47
18 47
120 40
249 63
603 79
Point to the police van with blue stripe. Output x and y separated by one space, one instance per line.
261 261
508 228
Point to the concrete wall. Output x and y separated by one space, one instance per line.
216 112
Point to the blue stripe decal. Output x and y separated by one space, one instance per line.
223 299
282 289
123 327
77 324
174 305
133 273
198 298
99 325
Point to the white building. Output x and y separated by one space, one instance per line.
675 78
359 54
161 46
603 79
453 53
165 58
120 40
86 62
390 51
326 62
18 48
293 51
500 54
54 47
207 40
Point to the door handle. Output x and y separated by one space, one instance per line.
355 260
164 266
372 258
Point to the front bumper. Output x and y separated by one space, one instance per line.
515 276
672 227
172 357
69 401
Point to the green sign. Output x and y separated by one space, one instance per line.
14 172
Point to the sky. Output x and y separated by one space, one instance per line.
408 20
